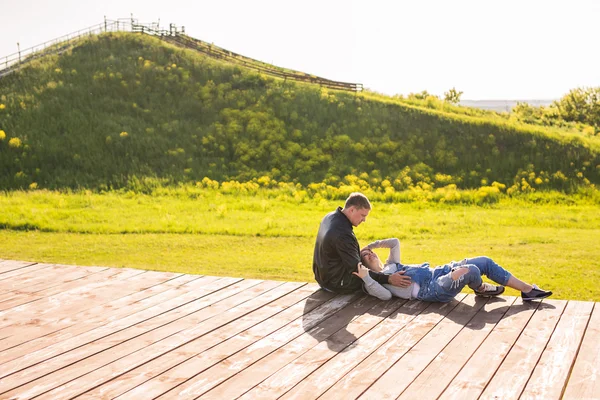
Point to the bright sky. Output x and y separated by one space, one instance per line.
489 49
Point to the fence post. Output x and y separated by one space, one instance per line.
105 23
19 51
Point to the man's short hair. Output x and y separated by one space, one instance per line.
358 200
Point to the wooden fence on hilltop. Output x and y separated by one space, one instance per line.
173 35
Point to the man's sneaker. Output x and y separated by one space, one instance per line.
490 290
536 294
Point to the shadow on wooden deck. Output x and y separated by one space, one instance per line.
95 332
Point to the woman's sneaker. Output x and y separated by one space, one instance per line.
489 290
536 294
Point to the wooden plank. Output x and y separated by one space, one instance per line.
44 376
263 321
260 346
317 383
115 273
12 299
41 279
10 265
219 372
550 375
233 318
66 302
184 294
437 376
10 281
103 278
518 365
478 371
138 288
432 381
21 310
94 355
249 375
67 274
370 369
208 350
584 382
52 302
17 299
7 277
113 282
39 283
342 342
100 316
414 361
47 277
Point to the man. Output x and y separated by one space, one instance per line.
337 254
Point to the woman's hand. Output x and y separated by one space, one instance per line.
362 271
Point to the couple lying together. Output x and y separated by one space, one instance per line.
339 266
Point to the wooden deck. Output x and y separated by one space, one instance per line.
94 332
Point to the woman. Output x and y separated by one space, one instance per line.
440 283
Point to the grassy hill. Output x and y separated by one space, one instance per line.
123 107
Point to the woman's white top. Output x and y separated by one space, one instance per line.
386 291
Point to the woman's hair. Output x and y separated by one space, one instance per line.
364 261
358 200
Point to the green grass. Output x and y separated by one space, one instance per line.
139 108
271 237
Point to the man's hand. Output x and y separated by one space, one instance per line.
362 271
399 279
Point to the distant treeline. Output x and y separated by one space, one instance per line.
122 106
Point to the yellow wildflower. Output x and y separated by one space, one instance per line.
123 134
14 143
2 135
33 186
2 106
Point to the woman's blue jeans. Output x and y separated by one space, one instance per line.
443 288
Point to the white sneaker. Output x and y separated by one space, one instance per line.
490 290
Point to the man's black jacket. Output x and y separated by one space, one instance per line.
337 254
